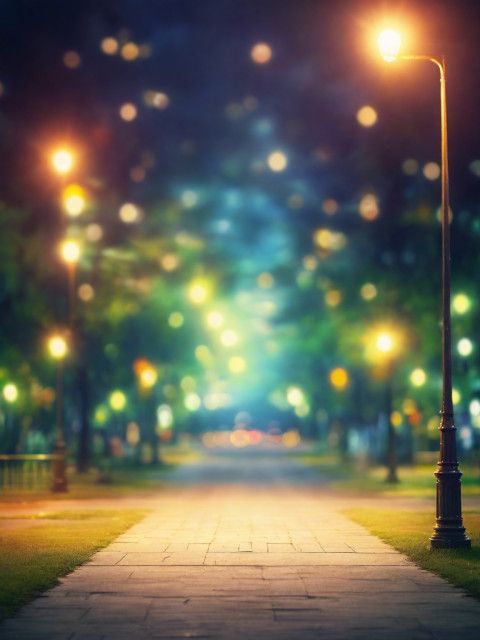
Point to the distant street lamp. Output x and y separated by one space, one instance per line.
384 348
58 350
62 160
449 531
70 252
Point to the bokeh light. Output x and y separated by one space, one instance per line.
261 53
418 377
461 303
465 347
74 200
339 378
117 400
368 207
367 116
277 161
128 111
10 392
57 347
70 251
63 160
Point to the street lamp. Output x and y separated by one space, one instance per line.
383 347
62 160
70 252
58 350
449 531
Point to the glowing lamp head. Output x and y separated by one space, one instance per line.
70 251
384 342
389 43
62 160
57 347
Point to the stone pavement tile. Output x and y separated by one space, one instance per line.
153 558
274 547
107 557
319 585
308 559
307 547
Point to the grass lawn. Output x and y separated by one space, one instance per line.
409 531
33 557
416 481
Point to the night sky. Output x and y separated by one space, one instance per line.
192 148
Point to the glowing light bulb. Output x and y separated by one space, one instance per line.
70 251
62 160
389 43
57 347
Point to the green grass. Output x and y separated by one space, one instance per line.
415 481
32 558
409 532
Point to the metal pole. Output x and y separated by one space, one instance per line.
392 476
59 463
449 531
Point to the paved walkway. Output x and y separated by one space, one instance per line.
247 549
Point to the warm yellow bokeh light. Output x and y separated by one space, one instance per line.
237 364
74 200
109 46
10 392
368 207
367 116
128 111
199 292
214 320
130 51
384 342
339 378
70 251
277 161
129 213
175 320
57 347
295 396
418 377
86 292
261 53
396 418
368 291
148 377
389 43
456 396
461 303
229 338
63 160
432 170
465 347
117 400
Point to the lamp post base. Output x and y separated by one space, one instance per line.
450 539
59 484
449 532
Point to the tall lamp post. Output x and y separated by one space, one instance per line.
449 531
58 350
